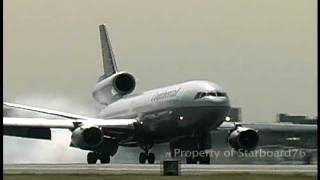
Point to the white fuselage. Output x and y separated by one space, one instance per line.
174 110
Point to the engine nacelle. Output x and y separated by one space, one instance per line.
87 137
243 139
114 87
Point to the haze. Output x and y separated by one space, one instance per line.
262 52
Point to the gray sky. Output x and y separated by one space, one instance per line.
263 52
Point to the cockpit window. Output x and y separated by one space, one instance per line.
200 95
197 95
211 93
221 94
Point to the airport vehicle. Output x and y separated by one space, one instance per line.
181 114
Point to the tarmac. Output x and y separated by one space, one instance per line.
185 169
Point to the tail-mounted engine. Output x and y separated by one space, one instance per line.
114 87
243 139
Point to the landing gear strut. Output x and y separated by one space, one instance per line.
201 143
92 158
144 156
202 157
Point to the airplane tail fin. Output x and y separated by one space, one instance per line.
112 85
109 62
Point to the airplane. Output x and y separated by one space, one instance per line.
182 114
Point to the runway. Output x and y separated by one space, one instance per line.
186 169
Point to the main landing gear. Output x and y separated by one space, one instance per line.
197 146
144 156
92 158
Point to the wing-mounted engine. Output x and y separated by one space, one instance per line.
87 137
243 139
114 87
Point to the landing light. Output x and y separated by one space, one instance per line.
228 118
181 117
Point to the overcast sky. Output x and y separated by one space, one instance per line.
263 52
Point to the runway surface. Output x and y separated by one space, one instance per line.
155 169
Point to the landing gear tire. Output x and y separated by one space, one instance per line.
142 158
92 158
191 160
151 158
205 159
105 159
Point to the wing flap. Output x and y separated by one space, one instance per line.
27 132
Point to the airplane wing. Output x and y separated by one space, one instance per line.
277 135
45 111
40 127
65 123
274 127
